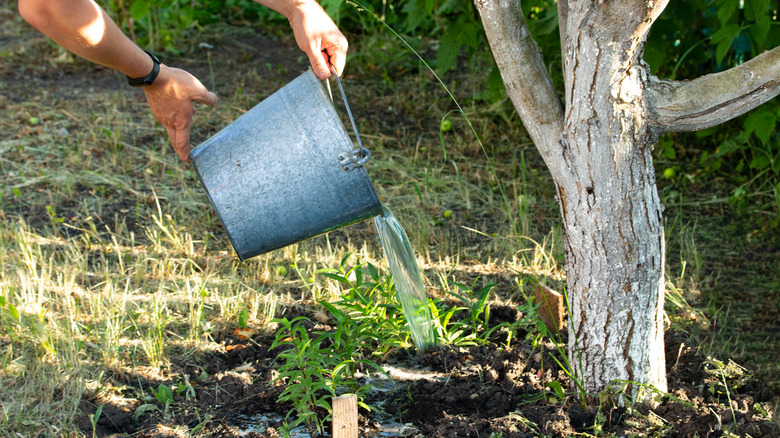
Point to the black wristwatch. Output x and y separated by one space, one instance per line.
148 79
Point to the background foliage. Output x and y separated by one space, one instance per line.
690 39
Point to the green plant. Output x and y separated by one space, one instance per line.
370 296
154 339
93 419
696 38
477 306
350 342
730 375
307 368
155 24
164 395
447 332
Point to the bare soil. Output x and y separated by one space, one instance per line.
477 391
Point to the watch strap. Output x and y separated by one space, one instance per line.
148 79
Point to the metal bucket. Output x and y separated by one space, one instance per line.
285 171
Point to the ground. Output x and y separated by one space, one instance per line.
86 164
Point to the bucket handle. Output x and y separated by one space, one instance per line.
359 156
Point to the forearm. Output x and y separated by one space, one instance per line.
83 27
285 7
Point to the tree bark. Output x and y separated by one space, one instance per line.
715 98
611 209
598 148
527 81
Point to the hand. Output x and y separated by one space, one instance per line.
319 38
171 99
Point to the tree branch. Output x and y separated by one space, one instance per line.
528 84
715 98
563 19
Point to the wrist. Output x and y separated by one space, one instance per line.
143 81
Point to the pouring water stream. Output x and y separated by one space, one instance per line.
409 284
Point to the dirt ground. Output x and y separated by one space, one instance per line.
479 391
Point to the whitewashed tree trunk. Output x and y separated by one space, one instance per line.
598 147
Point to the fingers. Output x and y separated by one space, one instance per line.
319 62
178 130
171 100
334 54
338 57
182 142
319 38
207 97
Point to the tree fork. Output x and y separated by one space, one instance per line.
598 149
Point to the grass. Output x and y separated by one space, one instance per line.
112 262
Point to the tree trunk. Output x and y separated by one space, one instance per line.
599 154
611 210
598 148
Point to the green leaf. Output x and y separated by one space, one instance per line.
760 29
541 327
164 395
726 10
548 24
723 38
140 9
339 278
656 50
557 388
243 318
761 123
760 163
140 411
418 11
667 148
449 48
94 417
13 312
373 271
755 9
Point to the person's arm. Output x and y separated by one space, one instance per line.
83 27
315 33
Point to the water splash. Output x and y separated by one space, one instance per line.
410 288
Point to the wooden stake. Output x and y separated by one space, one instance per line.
345 416
552 309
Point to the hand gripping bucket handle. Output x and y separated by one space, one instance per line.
286 170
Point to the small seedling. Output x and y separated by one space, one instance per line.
93 419
164 395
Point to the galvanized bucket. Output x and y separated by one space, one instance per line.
286 171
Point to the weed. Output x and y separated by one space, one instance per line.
731 376
371 298
348 343
477 306
93 419
164 395
306 367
